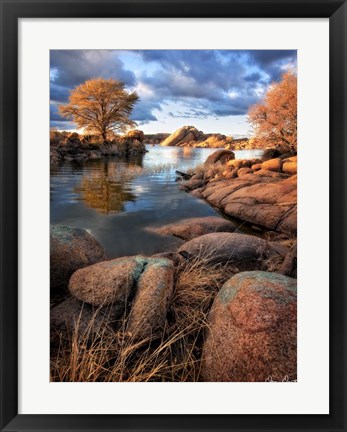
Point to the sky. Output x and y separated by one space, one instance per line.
211 90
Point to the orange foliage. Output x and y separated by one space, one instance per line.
275 121
100 106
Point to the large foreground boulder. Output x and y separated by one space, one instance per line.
145 282
108 282
71 249
188 229
152 298
252 330
230 248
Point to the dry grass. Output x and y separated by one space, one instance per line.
212 170
111 355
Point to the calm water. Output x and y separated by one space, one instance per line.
116 200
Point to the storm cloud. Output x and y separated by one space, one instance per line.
173 83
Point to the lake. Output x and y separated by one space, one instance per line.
116 200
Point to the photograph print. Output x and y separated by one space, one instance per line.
173 215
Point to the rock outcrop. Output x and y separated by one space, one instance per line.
71 249
79 148
192 137
188 229
263 194
184 135
252 330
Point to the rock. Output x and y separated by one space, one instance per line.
229 248
240 163
173 256
191 184
152 299
267 173
214 141
108 282
197 193
252 333
256 167
221 156
272 165
71 249
243 171
231 174
183 135
124 146
72 316
188 229
136 135
268 204
290 165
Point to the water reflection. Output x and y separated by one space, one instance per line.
116 200
108 188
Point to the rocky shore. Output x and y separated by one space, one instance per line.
74 147
261 193
220 307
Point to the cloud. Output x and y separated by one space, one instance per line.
215 83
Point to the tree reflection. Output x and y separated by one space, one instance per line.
107 189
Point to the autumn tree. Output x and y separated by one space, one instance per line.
100 106
275 120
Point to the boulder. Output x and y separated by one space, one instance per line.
243 171
221 156
267 173
126 147
256 167
272 165
290 165
108 282
73 316
71 249
152 299
136 135
252 334
181 136
191 184
230 248
240 163
188 229
173 256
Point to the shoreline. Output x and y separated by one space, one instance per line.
172 303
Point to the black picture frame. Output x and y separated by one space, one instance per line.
11 11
